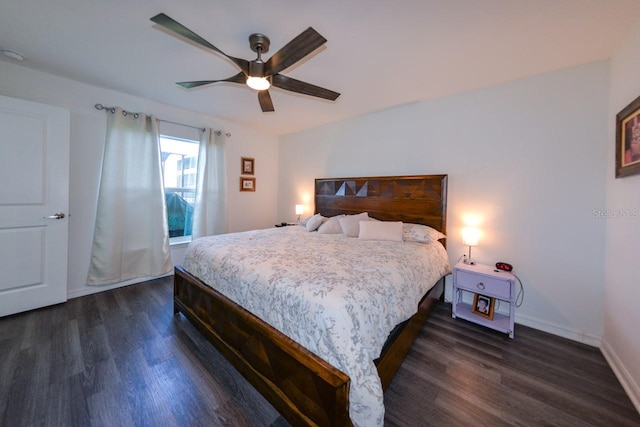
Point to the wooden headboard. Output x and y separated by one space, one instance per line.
420 199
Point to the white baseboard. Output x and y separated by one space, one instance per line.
503 308
88 290
578 336
621 372
626 380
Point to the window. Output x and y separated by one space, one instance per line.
179 169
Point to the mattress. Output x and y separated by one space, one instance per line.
340 297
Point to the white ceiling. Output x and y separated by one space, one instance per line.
379 53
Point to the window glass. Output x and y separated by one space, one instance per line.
179 168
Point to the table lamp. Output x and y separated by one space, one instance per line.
299 211
470 238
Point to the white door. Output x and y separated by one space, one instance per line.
34 196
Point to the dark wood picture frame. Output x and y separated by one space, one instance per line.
247 184
628 140
489 303
248 166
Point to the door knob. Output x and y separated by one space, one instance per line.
58 215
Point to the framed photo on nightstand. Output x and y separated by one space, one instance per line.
483 306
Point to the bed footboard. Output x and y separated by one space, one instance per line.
304 388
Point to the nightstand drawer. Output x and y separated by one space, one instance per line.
484 285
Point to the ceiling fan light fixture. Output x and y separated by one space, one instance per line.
258 83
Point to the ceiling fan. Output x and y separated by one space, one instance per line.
257 74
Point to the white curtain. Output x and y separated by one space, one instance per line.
131 237
210 210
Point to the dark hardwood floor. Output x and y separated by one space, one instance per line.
121 358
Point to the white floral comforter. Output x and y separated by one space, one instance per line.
338 296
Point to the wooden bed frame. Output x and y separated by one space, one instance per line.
304 388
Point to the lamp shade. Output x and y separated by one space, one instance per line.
470 236
299 209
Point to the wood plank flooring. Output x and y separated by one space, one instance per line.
121 358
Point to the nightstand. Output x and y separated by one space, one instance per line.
484 280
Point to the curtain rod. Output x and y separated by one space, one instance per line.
113 110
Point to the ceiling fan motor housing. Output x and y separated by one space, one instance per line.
256 68
259 43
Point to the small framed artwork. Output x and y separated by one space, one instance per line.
628 140
247 184
248 166
483 306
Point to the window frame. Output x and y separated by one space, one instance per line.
191 166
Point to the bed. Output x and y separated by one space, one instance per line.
304 387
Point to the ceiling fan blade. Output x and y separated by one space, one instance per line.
308 41
265 101
293 85
176 27
238 78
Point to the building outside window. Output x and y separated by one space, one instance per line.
179 168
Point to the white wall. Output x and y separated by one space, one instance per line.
526 159
88 126
621 340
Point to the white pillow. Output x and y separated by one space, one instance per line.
305 220
420 233
331 226
381 230
314 222
350 224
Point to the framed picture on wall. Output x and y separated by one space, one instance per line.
483 306
628 140
247 184
248 166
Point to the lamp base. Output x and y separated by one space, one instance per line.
468 260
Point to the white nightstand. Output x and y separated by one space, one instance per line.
488 281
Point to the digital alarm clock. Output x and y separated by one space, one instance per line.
504 266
